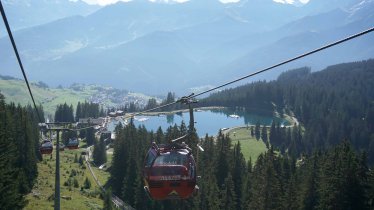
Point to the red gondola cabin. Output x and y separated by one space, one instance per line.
73 144
170 172
46 147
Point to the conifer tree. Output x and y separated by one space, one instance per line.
308 193
272 134
222 161
90 136
252 132
228 196
257 131
108 204
238 174
10 197
264 134
97 157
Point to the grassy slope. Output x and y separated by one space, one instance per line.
251 148
16 91
44 185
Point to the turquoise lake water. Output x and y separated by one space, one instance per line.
207 121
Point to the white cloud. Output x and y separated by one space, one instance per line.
291 1
104 2
169 1
107 2
304 1
229 1
284 1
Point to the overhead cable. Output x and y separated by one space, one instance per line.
290 60
18 58
263 70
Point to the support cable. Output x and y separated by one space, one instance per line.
290 60
263 70
201 93
18 58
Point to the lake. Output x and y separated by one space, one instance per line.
207 121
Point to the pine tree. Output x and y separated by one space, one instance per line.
228 196
252 132
90 136
341 185
87 184
18 158
9 194
76 158
108 204
78 113
238 173
264 134
97 157
257 131
272 134
246 198
222 161
102 150
308 193
370 189
266 186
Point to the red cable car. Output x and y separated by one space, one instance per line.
170 172
73 144
46 147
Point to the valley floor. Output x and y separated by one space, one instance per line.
72 197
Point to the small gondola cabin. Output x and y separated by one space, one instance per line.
46 147
170 172
73 144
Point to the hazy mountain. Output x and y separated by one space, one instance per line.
156 47
318 6
316 33
27 13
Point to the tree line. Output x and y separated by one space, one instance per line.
332 105
152 103
19 153
338 178
65 112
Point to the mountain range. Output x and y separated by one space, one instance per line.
28 13
158 47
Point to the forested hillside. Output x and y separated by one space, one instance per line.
321 164
335 179
333 105
19 153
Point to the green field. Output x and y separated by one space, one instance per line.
251 148
16 91
41 196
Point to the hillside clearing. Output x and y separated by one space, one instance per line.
251 148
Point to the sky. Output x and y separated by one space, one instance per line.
291 1
106 2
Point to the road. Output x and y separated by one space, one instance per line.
116 201
228 130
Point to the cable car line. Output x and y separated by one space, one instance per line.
152 109
249 75
170 153
290 60
262 70
18 58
